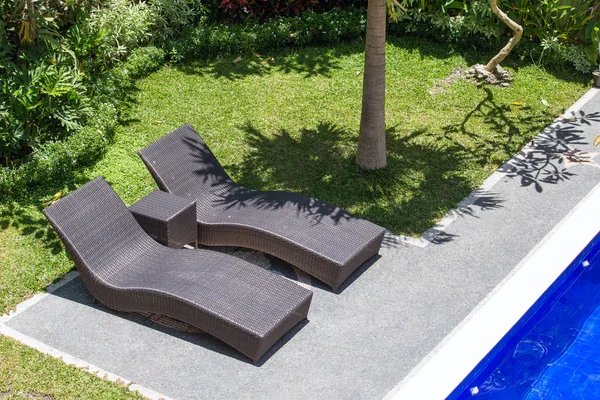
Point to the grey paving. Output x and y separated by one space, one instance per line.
360 342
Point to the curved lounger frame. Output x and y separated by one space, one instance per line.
319 238
229 298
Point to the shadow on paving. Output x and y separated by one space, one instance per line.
76 291
546 162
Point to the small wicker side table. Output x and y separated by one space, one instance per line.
168 219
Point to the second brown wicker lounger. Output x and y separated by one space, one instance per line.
229 298
319 238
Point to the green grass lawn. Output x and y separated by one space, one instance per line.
289 121
27 374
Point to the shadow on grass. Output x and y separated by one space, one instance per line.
23 211
313 61
542 163
420 183
309 62
30 223
426 174
322 60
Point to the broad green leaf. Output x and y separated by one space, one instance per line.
454 4
54 198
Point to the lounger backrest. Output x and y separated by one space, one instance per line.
181 163
97 228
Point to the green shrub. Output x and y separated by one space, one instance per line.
58 160
568 21
143 61
263 10
118 29
557 53
172 16
310 28
41 99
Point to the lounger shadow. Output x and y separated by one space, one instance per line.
123 268
323 240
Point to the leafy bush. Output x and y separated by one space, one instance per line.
558 53
172 16
311 28
143 61
115 30
41 99
241 10
566 20
60 159
562 28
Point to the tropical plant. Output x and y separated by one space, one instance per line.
42 96
595 34
118 29
172 16
565 19
240 10
41 99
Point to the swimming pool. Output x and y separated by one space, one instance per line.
552 352
457 360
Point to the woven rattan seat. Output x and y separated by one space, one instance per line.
317 237
123 268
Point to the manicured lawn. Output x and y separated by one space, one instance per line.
27 374
290 121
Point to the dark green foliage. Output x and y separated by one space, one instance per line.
562 28
144 60
41 99
53 60
241 10
61 159
42 93
566 20
309 29
71 82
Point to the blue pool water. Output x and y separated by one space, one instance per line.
553 352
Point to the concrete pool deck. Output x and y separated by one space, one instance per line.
363 341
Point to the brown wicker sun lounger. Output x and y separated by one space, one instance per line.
319 238
124 269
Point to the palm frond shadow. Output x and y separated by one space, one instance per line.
226 194
320 162
30 224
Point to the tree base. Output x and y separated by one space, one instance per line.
499 77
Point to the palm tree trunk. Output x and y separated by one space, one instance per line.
517 30
371 141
